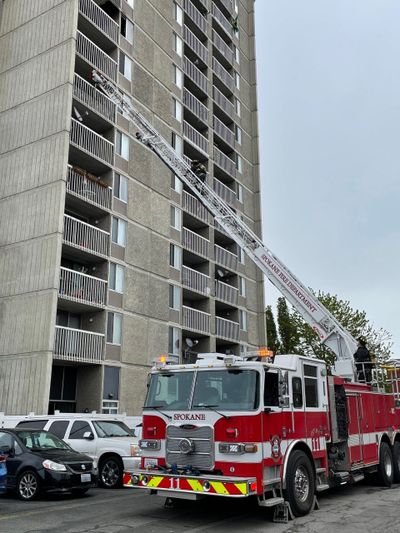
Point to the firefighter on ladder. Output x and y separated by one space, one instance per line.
363 361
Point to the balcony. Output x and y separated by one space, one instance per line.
196 320
194 207
224 162
99 18
224 132
91 142
195 281
227 329
196 107
78 287
223 75
222 20
196 244
225 50
95 56
226 293
195 137
199 20
228 5
225 258
94 99
85 237
195 44
195 75
224 192
78 345
223 103
89 190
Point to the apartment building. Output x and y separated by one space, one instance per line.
106 261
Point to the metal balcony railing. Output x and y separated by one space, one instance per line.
91 191
85 237
225 258
204 3
195 137
222 101
224 162
99 18
195 44
222 47
221 19
195 281
223 75
224 192
91 142
195 106
193 206
82 288
195 74
223 132
227 329
78 345
195 15
196 320
94 55
228 5
91 97
226 292
195 243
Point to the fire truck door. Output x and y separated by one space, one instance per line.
355 434
316 406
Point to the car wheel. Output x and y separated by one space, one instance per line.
28 485
110 472
300 483
385 467
79 492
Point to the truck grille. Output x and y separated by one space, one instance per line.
81 467
202 441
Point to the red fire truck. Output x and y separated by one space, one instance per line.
281 430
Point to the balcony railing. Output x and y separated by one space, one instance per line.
196 320
85 237
99 18
223 75
195 15
91 142
227 329
195 243
224 162
195 44
222 101
224 132
195 106
226 292
82 288
91 191
195 281
221 19
228 5
222 47
224 192
225 258
195 137
78 345
91 97
195 74
193 206
94 55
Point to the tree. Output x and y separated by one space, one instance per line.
272 334
288 329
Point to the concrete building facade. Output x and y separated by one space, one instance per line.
106 261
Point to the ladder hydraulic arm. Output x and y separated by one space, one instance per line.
329 330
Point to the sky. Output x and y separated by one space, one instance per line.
328 75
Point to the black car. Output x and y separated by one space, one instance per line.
39 461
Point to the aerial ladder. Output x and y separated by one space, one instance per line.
330 332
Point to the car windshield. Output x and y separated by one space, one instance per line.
227 390
112 428
42 440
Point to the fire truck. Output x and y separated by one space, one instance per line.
279 429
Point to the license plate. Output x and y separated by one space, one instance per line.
85 478
150 462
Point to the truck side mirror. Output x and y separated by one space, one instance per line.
88 435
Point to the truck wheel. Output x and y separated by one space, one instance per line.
396 462
110 472
385 467
300 483
28 486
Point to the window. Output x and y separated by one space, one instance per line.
178 14
32 424
125 66
176 184
178 77
243 320
237 107
238 134
236 5
177 143
121 187
110 407
237 54
59 427
110 392
237 80
79 428
176 218
6 440
271 389
130 2
241 256
175 297
311 385
239 163
239 193
122 145
114 328
178 45
173 341
242 286
175 256
118 231
297 392
127 29
177 110
116 278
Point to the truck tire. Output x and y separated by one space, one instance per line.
396 462
111 472
300 483
385 467
28 486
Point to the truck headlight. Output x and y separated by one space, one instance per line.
52 465
237 448
150 445
135 450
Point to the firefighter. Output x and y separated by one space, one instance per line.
199 169
363 361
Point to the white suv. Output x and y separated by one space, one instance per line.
107 439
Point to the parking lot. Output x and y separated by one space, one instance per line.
349 509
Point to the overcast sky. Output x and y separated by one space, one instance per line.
329 120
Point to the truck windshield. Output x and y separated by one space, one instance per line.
112 428
227 390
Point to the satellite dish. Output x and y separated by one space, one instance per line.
189 342
78 116
220 273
